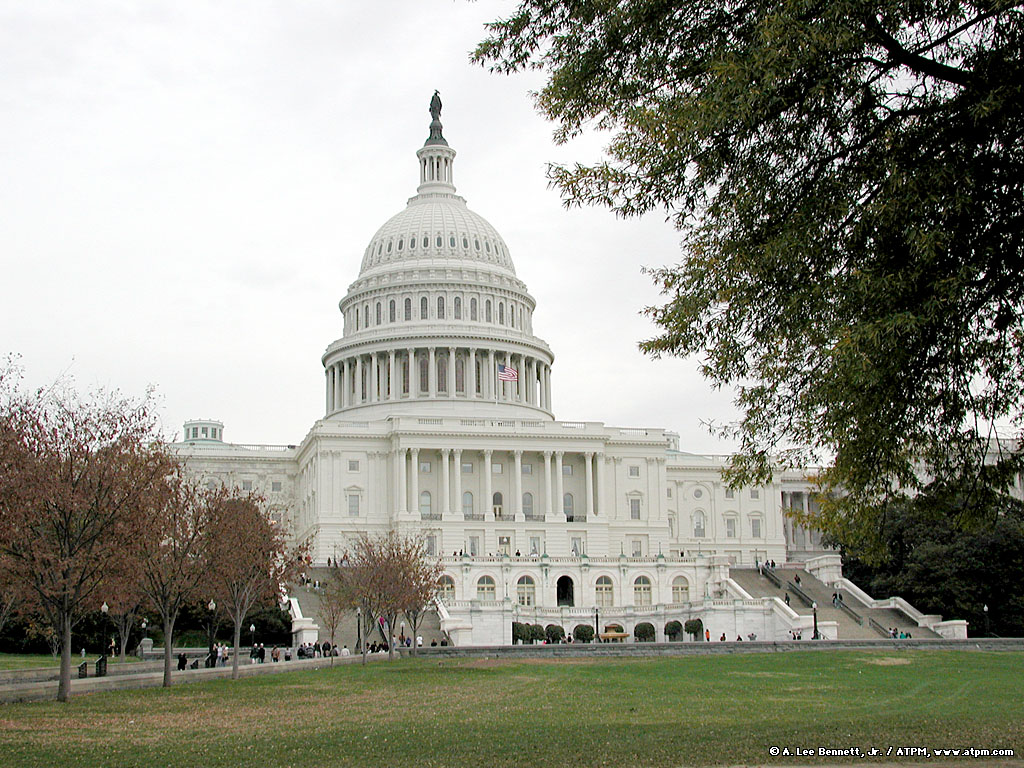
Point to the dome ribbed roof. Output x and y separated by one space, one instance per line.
436 230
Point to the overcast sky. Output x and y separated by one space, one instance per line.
187 190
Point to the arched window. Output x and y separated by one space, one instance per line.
408 309
391 311
465 242
423 308
451 241
458 308
440 307
603 592
438 242
680 590
379 318
526 590
366 316
487 311
405 377
642 591
446 588
568 506
412 243
479 384
472 309
357 318
501 313
424 370
460 375
442 373
485 588
467 504
528 505
497 502
425 503
698 525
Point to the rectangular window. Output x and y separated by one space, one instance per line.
567 469
496 468
535 546
353 505
473 546
755 493
467 468
755 528
276 486
505 545
730 493
431 545
247 485
668 491
205 432
425 467
634 509
527 469
576 545
634 471
730 527
353 465
637 546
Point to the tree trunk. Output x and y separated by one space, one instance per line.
168 650
64 684
234 661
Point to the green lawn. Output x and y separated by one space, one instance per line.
691 710
38 660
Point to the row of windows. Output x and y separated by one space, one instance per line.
497 502
211 432
401 243
700 526
497 468
604 592
512 314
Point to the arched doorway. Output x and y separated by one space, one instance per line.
564 591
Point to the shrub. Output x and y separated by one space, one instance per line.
520 632
694 628
583 633
644 632
674 630
537 633
554 633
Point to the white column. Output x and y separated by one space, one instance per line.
489 377
330 389
559 485
345 374
517 502
431 373
547 386
531 370
339 386
446 489
392 387
471 376
602 499
457 456
451 372
401 492
414 478
414 385
375 375
589 462
547 483
488 493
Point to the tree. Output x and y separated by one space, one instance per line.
336 599
584 633
389 574
249 561
125 602
849 181
75 474
173 558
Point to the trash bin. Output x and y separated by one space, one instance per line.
101 666
83 669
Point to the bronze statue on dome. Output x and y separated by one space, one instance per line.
435 106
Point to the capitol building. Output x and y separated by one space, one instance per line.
439 420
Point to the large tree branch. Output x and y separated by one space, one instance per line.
914 61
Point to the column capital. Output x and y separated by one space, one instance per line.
488 452
446 452
559 454
589 454
547 454
518 453
457 452
415 451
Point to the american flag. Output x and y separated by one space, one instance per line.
506 373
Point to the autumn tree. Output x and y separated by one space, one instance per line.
249 559
76 471
389 574
173 558
849 181
124 599
336 600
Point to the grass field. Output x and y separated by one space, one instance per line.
707 710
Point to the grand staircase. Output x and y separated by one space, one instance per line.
857 621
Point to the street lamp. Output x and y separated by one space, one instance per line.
211 659
105 609
984 609
814 607
359 633
596 625
252 632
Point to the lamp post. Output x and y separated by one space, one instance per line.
597 636
984 609
211 659
252 632
105 609
814 607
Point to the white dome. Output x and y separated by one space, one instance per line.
436 229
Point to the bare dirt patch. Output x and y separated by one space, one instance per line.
888 661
